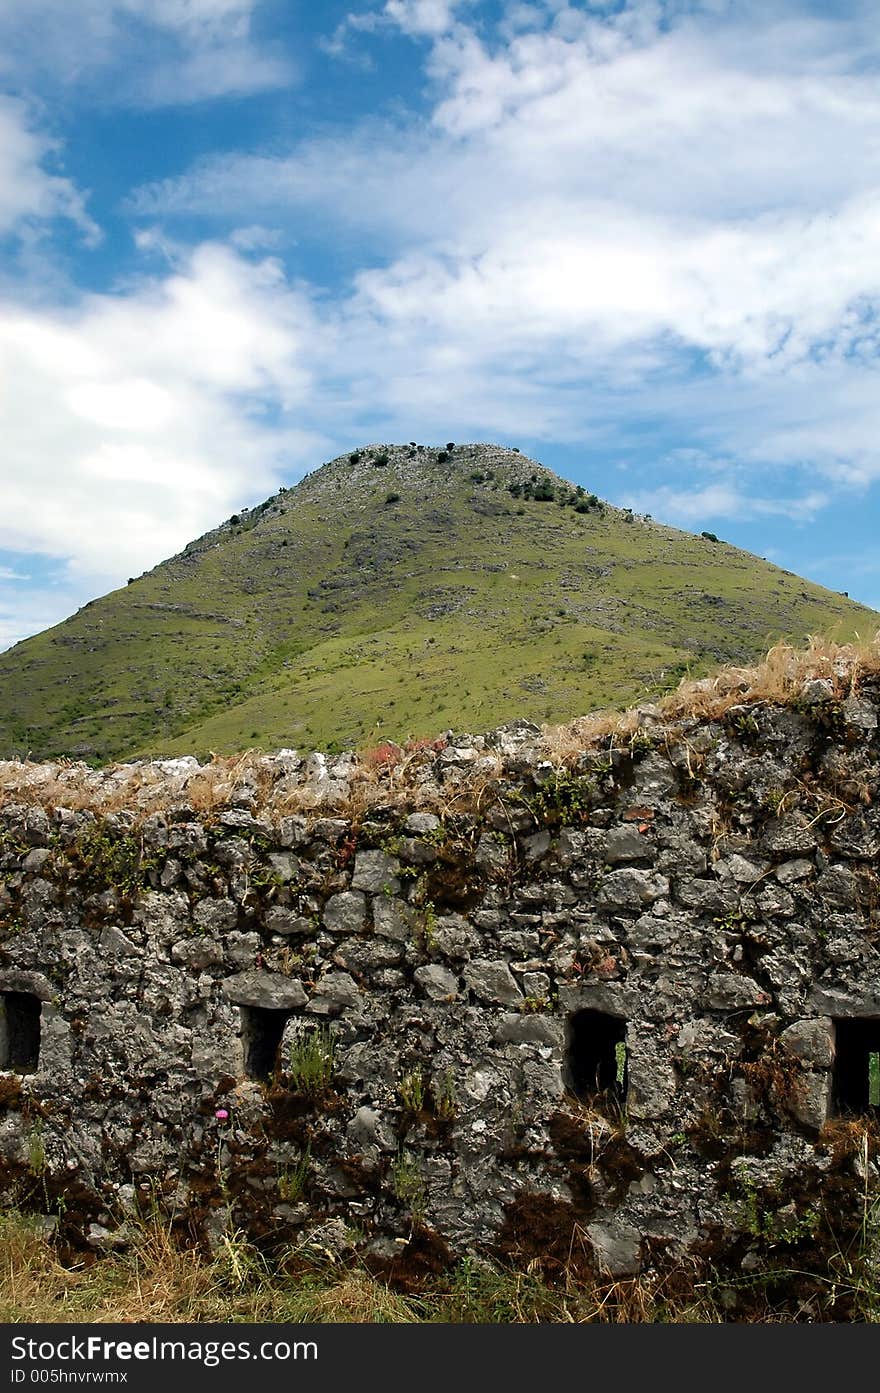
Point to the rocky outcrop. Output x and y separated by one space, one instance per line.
626 1008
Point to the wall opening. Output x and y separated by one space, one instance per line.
595 1057
261 1032
19 1031
856 1077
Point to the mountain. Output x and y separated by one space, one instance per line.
395 592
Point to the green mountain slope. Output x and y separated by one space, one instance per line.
391 594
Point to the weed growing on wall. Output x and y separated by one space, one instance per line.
412 1091
564 797
408 1184
292 1180
36 1149
311 1061
110 860
444 1096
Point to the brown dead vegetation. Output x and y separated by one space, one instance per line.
411 778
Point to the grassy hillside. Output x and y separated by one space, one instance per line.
394 593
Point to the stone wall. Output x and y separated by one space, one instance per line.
622 1012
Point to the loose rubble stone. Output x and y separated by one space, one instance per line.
728 991
626 845
492 981
631 889
811 1041
436 982
270 991
215 916
376 872
617 1247
346 912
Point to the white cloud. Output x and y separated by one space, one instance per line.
211 19
423 18
694 505
24 612
220 70
590 184
133 422
415 18
28 193
145 52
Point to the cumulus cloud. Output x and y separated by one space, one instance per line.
667 212
133 422
429 18
596 182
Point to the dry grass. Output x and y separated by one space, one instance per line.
158 1282
155 1281
409 776
778 679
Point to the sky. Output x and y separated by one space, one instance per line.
638 240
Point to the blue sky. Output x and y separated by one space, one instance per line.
640 241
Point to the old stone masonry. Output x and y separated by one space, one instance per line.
622 1009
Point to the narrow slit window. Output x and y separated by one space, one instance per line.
261 1032
856 1078
20 1015
596 1060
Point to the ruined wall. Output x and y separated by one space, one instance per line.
581 1013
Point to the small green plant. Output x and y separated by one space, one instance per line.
108 860
36 1149
783 1227
265 882
531 1005
731 921
564 797
412 1090
312 1060
408 1183
292 1180
429 925
620 1064
773 800
443 1093
641 741
745 725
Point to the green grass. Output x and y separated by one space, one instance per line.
333 618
